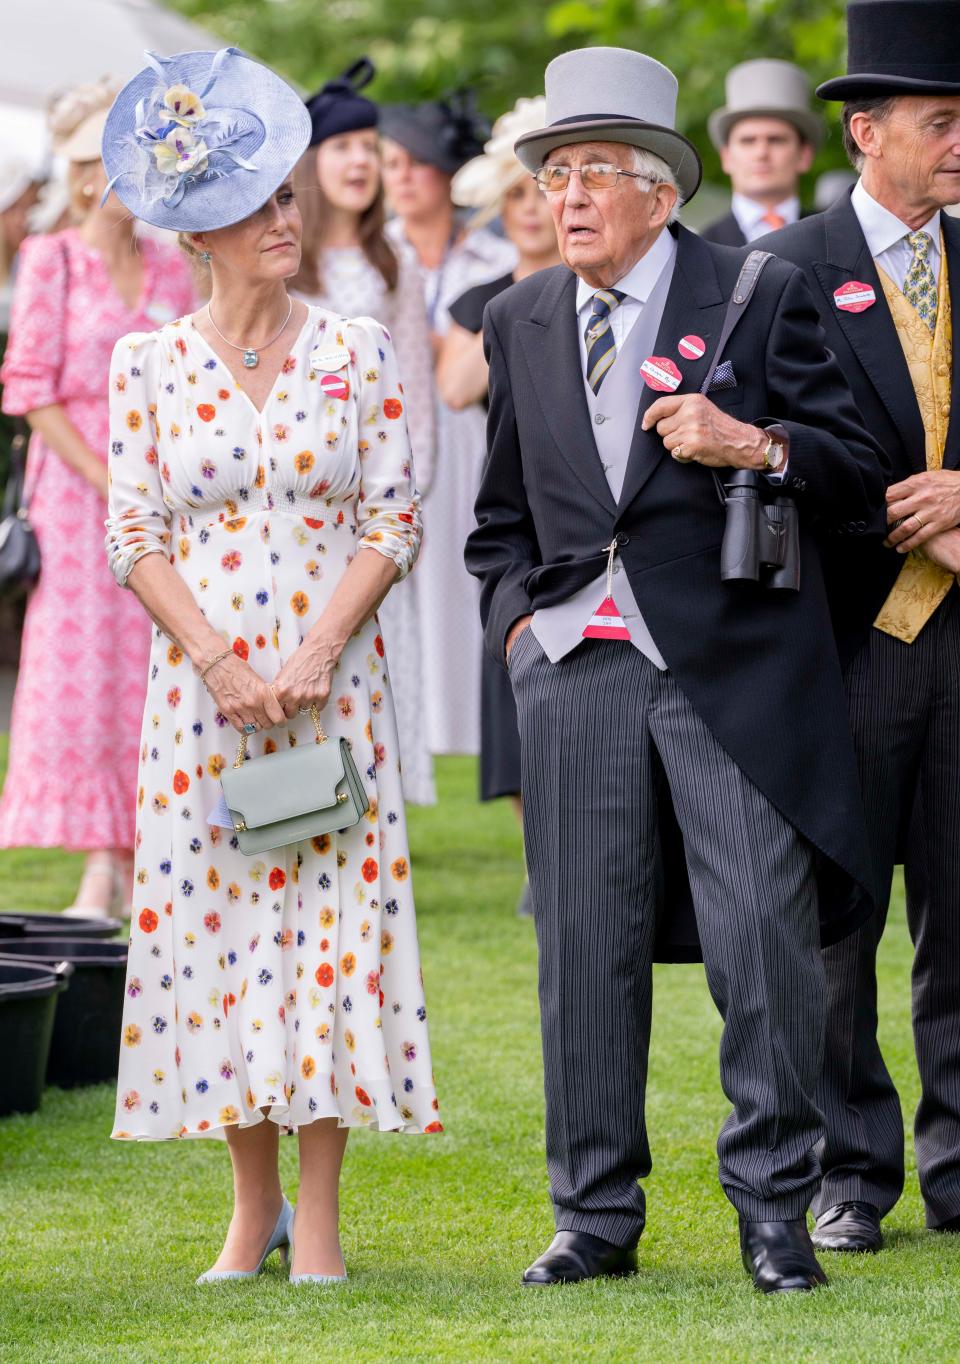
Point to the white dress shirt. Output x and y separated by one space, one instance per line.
887 236
750 215
636 284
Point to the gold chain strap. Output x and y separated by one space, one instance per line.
240 759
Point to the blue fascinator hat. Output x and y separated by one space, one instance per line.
201 140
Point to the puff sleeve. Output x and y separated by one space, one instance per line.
389 503
139 519
35 351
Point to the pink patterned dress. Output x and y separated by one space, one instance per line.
74 740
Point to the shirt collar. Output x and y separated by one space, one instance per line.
749 214
882 228
639 280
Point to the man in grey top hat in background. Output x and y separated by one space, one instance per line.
767 136
644 681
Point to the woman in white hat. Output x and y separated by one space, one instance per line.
496 184
349 265
262 504
79 697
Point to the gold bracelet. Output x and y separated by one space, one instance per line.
213 663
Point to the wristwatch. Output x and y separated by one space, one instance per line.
773 456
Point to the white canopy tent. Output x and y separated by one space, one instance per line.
46 46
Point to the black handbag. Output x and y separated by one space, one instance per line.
19 549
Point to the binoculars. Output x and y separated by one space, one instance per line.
761 539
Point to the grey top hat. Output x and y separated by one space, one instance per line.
767 88
611 94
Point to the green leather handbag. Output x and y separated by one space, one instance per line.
287 797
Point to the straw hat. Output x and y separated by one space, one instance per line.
483 183
78 117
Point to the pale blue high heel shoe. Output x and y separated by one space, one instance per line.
281 1239
313 1278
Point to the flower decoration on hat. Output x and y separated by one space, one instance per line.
181 143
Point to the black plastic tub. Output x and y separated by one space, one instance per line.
20 924
28 1006
86 1034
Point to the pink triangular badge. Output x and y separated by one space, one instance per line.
606 622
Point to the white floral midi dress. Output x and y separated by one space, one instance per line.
288 981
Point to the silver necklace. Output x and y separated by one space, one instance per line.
251 355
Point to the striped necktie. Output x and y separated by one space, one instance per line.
601 347
920 284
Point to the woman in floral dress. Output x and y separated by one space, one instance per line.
261 511
73 760
349 266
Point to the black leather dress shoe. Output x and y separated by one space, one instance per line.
575 1255
951 1224
779 1256
851 1226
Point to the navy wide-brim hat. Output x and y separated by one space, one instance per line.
338 107
201 140
899 47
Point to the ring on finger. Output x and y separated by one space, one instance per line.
678 454
917 519
304 710
250 728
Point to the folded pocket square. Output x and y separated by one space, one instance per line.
723 377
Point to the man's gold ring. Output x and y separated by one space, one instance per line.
677 453
917 519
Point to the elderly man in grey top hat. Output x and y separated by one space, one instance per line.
684 740
767 136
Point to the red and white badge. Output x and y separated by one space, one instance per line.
335 386
854 297
691 347
661 373
606 622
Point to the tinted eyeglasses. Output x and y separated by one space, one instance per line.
597 175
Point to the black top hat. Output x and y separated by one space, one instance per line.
899 47
338 107
445 133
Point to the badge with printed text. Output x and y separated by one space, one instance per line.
854 297
661 373
336 386
329 358
691 347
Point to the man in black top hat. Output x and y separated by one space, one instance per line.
884 266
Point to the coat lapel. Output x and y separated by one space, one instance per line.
552 350
951 241
695 304
871 334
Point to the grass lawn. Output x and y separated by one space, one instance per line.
101 1241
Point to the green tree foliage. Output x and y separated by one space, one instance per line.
423 48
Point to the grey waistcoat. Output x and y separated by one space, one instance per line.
614 413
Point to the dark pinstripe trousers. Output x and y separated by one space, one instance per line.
905 716
598 730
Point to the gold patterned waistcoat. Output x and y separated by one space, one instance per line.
922 585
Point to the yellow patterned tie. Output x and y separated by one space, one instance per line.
920 286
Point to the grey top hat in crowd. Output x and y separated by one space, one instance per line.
612 94
899 47
201 140
767 88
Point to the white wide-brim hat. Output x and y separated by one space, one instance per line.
767 88
612 94
201 140
483 182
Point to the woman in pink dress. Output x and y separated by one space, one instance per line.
74 743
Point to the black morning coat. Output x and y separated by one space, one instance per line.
831 250
726 231
759 666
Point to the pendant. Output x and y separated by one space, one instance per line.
251 359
